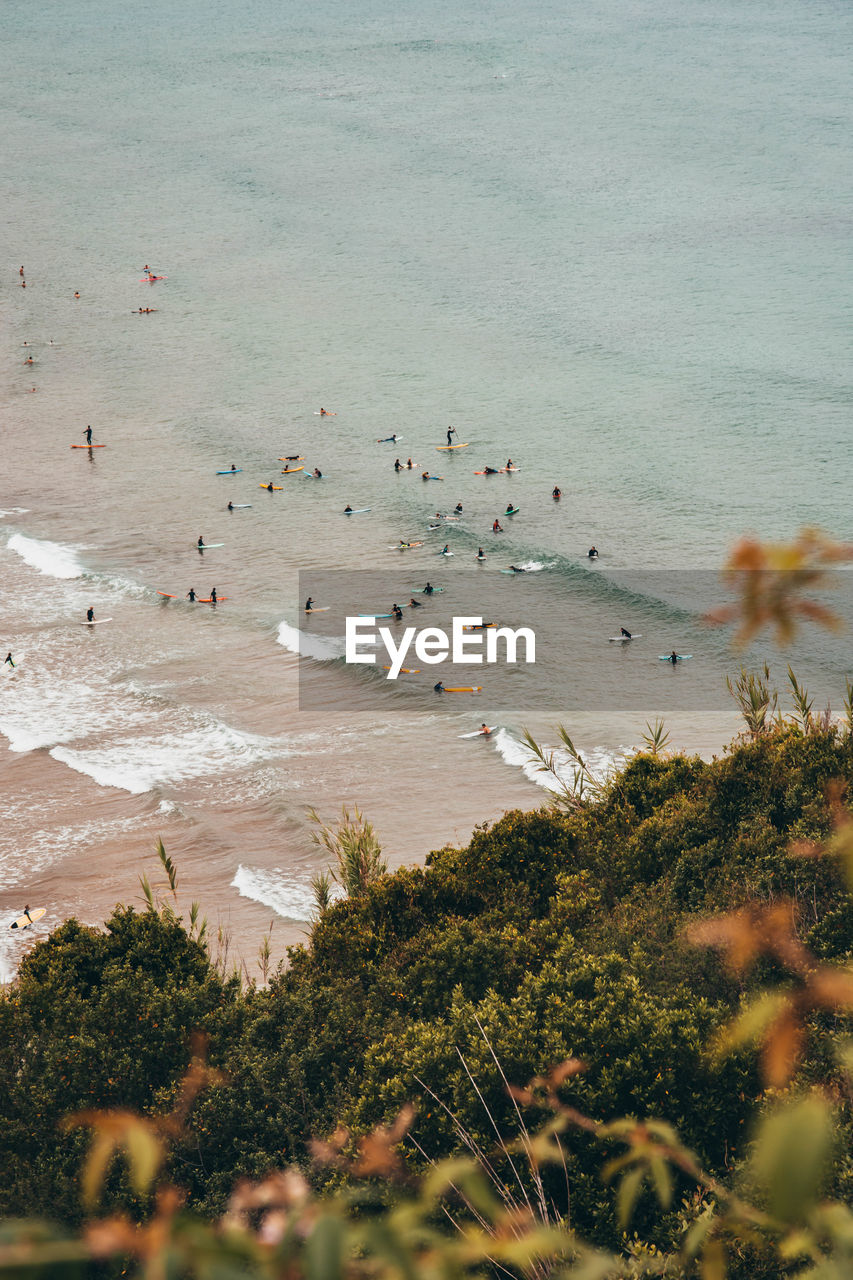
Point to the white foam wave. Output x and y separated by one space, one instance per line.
323 648
536 566
50 558
46 713
140 764
13 511
600 761
287 894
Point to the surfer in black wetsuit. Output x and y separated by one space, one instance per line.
200 542
458 508
88 434
428 589
490 471
626 634
481 555
8 658
556 493
348 510
592 553
515 569
438 688
213 595
230 506
191 594
415 604
309 604
673 657
451 431
397 612
317 473
398 466
90 615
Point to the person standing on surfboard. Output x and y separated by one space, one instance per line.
88 434
309 604
8 659
90 614
451 431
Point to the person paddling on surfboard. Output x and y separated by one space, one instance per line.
415 604
8 659
485 730
88 434
90 614
191 595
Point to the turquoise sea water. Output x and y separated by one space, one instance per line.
609 241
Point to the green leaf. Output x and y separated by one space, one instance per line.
626 1196
791 1156
324 1250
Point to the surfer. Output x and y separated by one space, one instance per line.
481 555
270 486
29 360
398 466
191 595
309 604
90 614
27 907
230 506
428 589
497 527
11 663
592 553
88 434
415 604
515 569
410 465
324 413
438 688
509 464
388 440
348 510
556 493
485 730
233 468
458 508
76 294
317 473
397 612
510 511
673 657
490 471
213 595
625 633
446 551
451 431
200 543
21 271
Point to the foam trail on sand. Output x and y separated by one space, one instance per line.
601 762
50 558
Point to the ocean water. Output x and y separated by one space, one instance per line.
609 242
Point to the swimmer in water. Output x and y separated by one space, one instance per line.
29 360
76 295
20 271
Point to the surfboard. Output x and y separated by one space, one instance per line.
422 591
513 571
232 471
289 471
432 477
324 609
293 457
318 413
166 595
218 600
483 627
388 440
513 511
357 511
445 448
376 615
207 546
477 688
508 471
24 922
94 622
494 472
679 657
446 553
405 546
88 446
624 639
151 279
408 671
480 733
266 486
239 506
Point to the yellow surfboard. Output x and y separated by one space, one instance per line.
465 689
24 922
